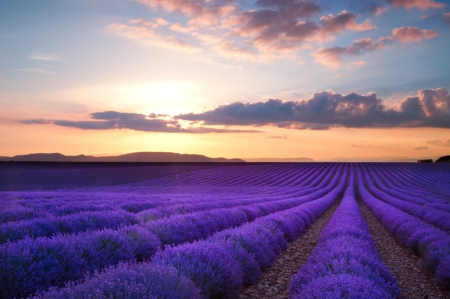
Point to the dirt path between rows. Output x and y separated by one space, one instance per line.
275 280
414 280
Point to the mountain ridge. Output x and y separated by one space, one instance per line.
130 157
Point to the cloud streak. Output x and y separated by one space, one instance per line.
445 143
333 56
430 108
41 56
143 32
113 120
420 4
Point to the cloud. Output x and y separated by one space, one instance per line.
430 108
146 35
37 121
271 29
180 28
412 34
420 4
113 120
344 20
202 13
41 56
375 8
282 25
232 50
275 26
439 142
162 22
333 56
34 70
447 17
421 148
144 23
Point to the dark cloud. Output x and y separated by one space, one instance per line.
439 142
39 121
110 120
431 108
276 24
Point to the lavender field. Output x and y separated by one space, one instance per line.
194 231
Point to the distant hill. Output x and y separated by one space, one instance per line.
279 160
132 157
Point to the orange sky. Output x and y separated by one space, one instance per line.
247 79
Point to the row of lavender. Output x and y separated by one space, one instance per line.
345 262
31 265
216 267
191 271
421 228
79 222
416 205
411 188
28 205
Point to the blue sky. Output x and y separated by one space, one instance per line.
64 61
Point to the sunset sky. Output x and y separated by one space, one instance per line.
226 78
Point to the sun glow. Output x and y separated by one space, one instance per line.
163 97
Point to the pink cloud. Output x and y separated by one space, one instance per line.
436 102
161 22
344 20
412 34
380 10
333 56
203 13
231 50
148 36
420 4
180 28
447 17
275 27
208 39
144 23
188 7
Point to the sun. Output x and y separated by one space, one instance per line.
162 97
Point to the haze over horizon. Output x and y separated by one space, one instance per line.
226 78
